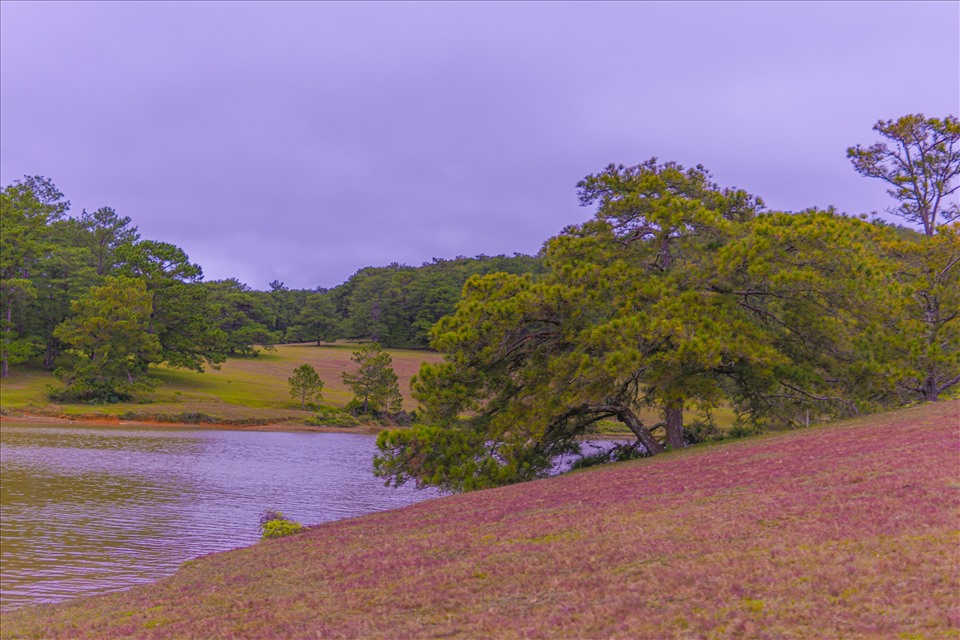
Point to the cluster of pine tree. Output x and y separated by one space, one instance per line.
681 294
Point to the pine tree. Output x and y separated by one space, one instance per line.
306 385
374 383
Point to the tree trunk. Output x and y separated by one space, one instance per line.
4 366
674 419
48 356
930 390
665 258
643 434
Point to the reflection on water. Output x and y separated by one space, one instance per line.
90 510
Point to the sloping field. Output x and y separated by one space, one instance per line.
845 531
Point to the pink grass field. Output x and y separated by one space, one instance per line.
843 531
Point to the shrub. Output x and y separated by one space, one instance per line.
389 418
702 431
279 528
355 408
273 524
404 419
743 431
89 392
590 460
617 453
332 417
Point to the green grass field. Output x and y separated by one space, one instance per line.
243 388
843 531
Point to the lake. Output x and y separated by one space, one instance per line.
88 510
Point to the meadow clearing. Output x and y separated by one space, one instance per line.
847 530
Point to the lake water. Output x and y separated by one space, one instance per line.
88 510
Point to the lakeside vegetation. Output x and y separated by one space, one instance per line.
847 530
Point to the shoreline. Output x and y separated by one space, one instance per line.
107 421
291 427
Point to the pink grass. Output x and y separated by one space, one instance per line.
844 531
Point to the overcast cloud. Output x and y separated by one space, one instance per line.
303 141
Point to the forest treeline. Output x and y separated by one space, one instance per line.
396 305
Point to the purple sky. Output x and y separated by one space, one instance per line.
303 141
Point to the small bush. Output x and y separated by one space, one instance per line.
398 418
332 417
701 431
617 453
84 384
273 524
404 419
280 528
355 408
87 394
743 431
193 417
590 460
190 417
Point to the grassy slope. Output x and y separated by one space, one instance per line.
844 531
241 388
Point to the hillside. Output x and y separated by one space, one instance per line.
848 530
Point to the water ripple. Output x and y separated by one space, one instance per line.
92 510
